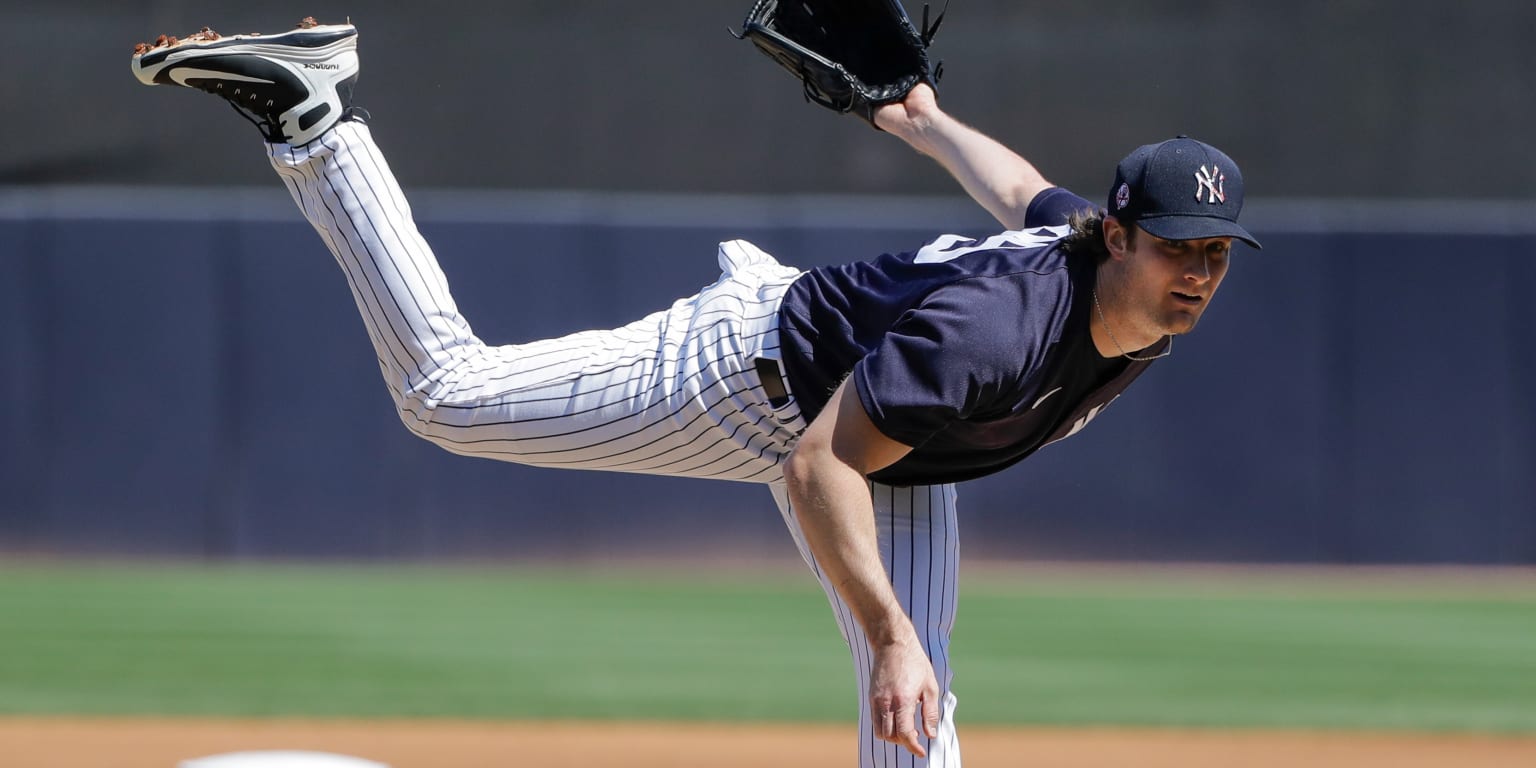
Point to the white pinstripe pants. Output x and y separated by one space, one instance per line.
673 393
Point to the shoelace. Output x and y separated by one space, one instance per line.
267 127
266 122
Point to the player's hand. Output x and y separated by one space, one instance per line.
902 687
904 117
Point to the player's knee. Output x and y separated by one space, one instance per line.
435 437
449 438
417 418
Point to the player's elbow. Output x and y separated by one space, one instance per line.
814 472
809 458
795 469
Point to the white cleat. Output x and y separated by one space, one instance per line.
294 86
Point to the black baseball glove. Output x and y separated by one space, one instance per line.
851 55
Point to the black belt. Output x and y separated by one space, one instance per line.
772 377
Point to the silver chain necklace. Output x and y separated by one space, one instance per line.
1118 346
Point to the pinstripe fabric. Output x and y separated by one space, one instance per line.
920 545
673 393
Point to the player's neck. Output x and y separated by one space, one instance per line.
1114 332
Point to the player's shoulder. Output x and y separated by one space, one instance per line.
1006 252
1028 289
1028 249
1003 276
1054 207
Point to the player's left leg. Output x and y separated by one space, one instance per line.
920 546
678 392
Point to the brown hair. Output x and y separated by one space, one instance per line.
1087 236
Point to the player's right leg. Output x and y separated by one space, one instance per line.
918 532
673 393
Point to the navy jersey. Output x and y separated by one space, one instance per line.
975 353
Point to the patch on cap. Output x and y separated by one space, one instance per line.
1122 196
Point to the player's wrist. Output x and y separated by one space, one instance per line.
934 133
892 632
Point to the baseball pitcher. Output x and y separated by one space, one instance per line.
859 394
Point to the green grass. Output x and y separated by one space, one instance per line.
465 642
1245 657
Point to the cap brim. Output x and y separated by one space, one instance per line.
1195 228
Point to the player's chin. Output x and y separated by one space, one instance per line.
1182 320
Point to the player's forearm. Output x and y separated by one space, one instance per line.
832 504
996 177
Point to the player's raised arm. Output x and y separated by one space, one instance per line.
995 176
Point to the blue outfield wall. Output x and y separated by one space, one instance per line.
198 383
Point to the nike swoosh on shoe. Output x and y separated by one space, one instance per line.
182 74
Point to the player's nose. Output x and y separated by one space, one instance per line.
1197 269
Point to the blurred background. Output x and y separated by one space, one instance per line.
185 375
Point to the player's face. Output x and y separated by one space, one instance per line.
1172 281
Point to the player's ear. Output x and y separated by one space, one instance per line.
1116 237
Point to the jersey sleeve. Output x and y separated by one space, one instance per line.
1051 208
959 354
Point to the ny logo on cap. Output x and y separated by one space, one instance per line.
1211 181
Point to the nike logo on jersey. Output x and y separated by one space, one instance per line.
1044 397
182 74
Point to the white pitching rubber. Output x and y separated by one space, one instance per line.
280 759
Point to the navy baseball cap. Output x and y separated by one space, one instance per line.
1180 189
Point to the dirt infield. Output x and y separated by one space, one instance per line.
151 743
